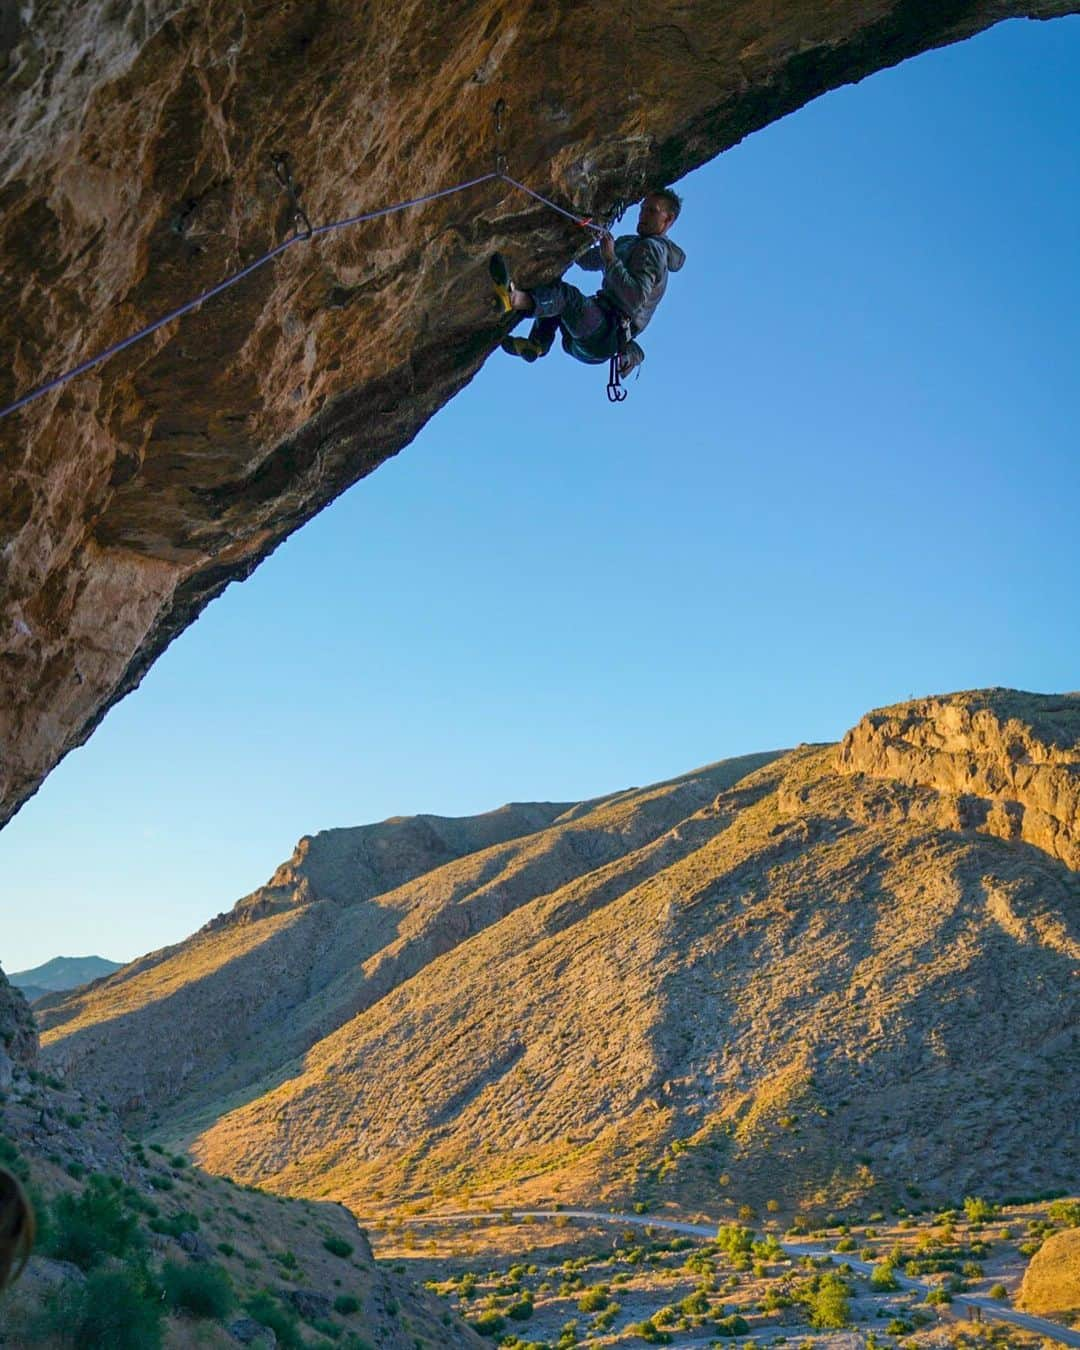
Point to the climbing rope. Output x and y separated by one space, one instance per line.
305 232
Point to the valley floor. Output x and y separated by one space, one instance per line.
567 1281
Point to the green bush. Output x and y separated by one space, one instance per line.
830 1307
175 1224
732 1325
338 1246
346 1304
89 1227
113 1310
488 1323
734 1239
281 1320
1066 1212
695 1304
939 1295
998 1291
593 1299
649 1331
882 1278
522 1310
200 1289
978 1210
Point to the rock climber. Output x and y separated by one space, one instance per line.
635 268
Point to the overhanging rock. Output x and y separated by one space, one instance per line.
135 171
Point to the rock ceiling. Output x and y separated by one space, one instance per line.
136 171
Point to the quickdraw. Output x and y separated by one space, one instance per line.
615 391
283 173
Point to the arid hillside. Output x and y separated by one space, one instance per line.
348 918
138 1250
806 977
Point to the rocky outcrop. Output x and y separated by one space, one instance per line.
998 760
18 1035
1051 1284
135 172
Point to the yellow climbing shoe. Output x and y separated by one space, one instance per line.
526 348
500 277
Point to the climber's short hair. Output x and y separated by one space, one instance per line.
17 1228
670 198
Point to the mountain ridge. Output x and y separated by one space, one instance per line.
825 972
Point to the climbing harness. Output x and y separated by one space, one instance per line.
304 231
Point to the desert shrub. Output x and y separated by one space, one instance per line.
488 1323
91 1226
175 1224
830 1307
1066 1212
522 1310
650 1332
113 1310
281 1320
338 1246
734 1239
937 1296
345 1304
882 1278
201 1289
603 1320
695 1304
732 1325
593 1299
978 1210
998 1291
899 1326
846 1244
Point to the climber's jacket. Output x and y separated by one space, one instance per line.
637 278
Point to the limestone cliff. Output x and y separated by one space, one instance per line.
135 144
1001 761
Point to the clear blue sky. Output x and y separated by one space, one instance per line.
848 475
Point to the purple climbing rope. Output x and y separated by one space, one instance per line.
117 347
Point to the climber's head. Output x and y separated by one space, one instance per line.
659 211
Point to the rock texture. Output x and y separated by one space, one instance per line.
1000 761
815 981
18 1034
135 143
1051 1284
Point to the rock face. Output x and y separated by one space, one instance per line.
823 981
1051 1284
1000 761
135 172
18 1034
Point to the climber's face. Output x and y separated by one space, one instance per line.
654 217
